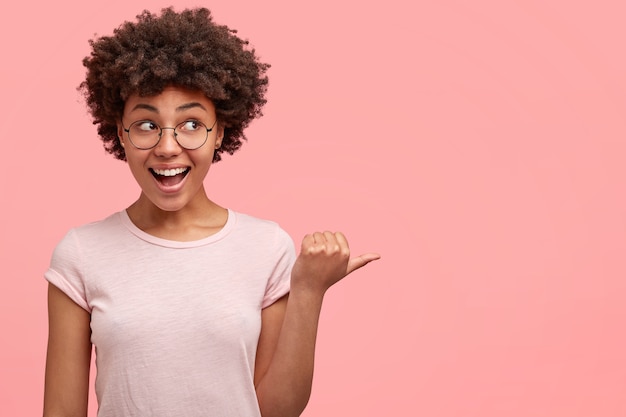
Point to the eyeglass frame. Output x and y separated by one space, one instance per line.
208 130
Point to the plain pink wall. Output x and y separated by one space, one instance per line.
478 146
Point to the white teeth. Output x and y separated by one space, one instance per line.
170 172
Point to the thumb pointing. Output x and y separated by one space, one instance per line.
361 261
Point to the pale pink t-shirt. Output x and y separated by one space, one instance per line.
175 324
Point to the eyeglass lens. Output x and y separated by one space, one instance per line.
190 134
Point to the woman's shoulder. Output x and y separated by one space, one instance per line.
96 230
247 220
110 221
257 226
78 240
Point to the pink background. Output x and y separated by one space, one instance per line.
478 146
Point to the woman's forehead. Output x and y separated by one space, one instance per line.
172 98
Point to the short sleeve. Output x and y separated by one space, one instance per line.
65 270
279 282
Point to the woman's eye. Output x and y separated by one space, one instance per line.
147 126
190 125
144 126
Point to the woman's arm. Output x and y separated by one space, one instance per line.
285 356
69 357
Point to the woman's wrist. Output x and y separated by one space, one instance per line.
307 291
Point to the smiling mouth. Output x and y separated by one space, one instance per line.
169 177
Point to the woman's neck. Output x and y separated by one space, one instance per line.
200 218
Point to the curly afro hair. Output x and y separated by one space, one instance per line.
185 49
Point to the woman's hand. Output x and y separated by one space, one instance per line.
284 368
324 260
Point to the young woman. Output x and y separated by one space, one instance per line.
193 309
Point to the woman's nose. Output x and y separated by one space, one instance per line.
168 145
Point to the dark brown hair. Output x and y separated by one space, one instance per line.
185 49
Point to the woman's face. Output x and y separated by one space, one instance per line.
169 175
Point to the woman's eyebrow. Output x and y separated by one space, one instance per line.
191 105
145 107
180 108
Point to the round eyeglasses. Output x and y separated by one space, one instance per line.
146 134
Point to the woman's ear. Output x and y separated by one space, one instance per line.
220 136
120 133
